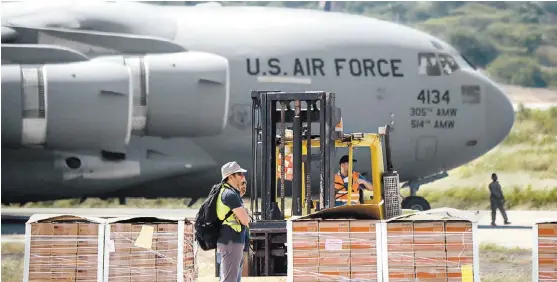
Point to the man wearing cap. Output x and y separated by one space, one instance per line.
341 183
232 239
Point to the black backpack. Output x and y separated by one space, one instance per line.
207 224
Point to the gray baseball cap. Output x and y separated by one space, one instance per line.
230 168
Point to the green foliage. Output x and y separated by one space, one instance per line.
12 269
491 247
549 6
550 76
517 70
477 49
478 197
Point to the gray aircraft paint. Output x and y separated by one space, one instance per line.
188 166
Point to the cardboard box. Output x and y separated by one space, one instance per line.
149 249
402 273
305 243
364 273
547 245
430 258
334 259
363 236
361 259
429 236
334 274
304 226
431 250
400 237
547 260
431 273
306 258
334 237
63 248
407 248
547 230
456 258
544 251
306 274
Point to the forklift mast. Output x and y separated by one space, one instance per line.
272 110
277 110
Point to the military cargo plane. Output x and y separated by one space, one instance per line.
123 99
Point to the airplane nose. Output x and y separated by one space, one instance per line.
500 115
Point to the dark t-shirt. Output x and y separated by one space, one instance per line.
231 198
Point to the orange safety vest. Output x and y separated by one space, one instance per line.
288 167
341 191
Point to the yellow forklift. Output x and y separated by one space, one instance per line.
284 149
370 142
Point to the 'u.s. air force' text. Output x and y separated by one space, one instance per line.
357 67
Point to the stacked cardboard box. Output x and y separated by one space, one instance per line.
334 250
363 250
460 249
64 248
429 246
400 249
546 251
305 250
429 250
149 249
430 257
72 248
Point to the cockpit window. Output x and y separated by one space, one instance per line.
448 63
428 64
468 62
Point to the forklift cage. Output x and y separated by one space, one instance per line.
320 107
371 141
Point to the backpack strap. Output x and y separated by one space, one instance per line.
227 215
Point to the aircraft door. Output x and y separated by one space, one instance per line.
426 148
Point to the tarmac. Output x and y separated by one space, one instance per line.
517 234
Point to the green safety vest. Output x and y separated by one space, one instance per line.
223 209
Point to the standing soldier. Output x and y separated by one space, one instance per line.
497 200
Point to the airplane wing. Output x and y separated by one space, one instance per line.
79 44
40 54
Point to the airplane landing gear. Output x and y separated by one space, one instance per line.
415 203
122 201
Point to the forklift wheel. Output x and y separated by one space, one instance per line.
415 203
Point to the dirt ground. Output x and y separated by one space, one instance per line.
496 265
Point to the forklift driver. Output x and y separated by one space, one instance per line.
341 183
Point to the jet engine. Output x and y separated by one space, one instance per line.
81 105
177 94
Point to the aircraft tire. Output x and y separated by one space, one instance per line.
415 203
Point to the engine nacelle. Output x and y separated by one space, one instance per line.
83 105
178 95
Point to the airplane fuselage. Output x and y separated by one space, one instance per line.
440 120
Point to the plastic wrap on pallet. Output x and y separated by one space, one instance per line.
434 245
149 249
544 251
333 250
63 248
